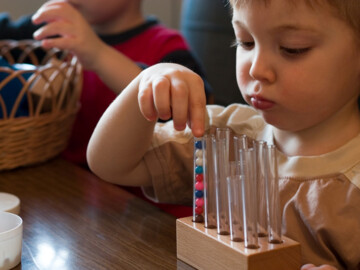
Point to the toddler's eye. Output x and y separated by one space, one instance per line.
246 45
295 51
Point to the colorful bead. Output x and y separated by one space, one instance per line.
199 177
199 185
199 202
199 194
199 210
198 144
199 169
199 162
198 153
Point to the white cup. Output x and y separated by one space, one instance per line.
11 229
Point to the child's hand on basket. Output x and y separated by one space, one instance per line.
67 29
171 90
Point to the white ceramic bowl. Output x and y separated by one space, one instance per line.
9 203
11 228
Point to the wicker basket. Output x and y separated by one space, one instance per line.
37 125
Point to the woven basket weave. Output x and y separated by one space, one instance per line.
50 94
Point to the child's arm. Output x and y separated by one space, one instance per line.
68 30
124 132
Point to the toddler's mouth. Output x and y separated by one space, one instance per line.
261 104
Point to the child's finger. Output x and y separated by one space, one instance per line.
179 102
49 13
57 34
58 28
197 108
146 101
161 91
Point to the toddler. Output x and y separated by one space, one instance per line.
298 67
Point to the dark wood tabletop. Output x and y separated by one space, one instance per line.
74 220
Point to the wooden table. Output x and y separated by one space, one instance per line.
74 220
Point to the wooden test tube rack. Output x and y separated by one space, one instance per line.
204 249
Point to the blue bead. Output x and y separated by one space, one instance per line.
199 193
198 144
199 169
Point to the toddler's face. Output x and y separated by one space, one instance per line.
101 11
297 65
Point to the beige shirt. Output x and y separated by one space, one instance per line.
320 195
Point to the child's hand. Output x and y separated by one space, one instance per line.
313 267
171 90
67 29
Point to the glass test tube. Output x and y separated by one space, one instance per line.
221 169
235 204
272 196
260 148
198 179
240 143
221 161
247 160
224 134
209 182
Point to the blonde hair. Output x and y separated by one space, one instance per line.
347 10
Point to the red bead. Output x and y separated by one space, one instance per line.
199 185
198 210
199 202
199 177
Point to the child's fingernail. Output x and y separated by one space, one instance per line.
199 131
36 33
35 16
180 127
